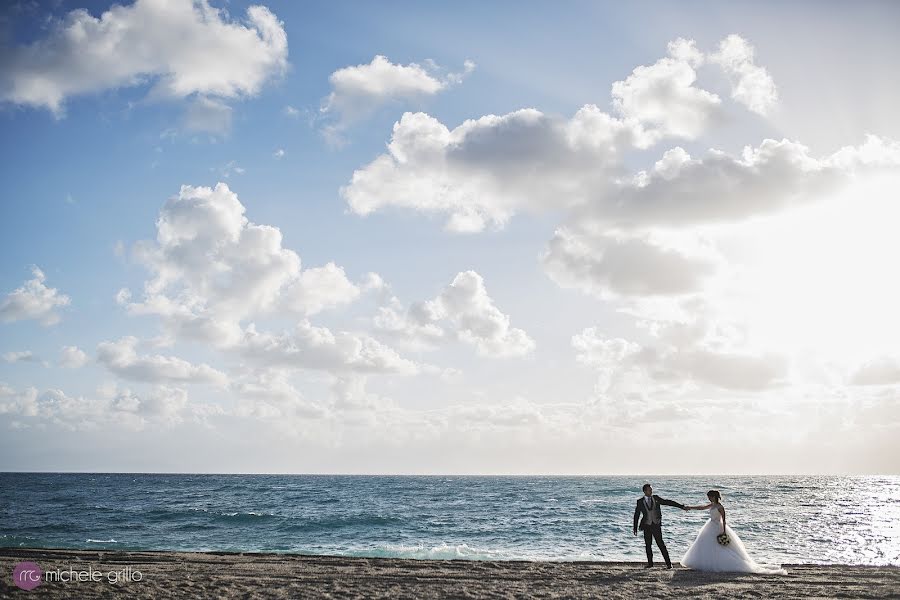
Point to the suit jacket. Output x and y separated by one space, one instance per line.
640 511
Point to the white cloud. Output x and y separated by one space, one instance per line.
72 357
697 351
318 348
681 191
356 405
614 264
213 268
728 370
279 154
184 318
183 48
33 300
208 115
231 167
592 349
415 326
751 85
660 237
121 358
463 310
214 272
21 356
466 305
359 90
161 406
208 251
269 394
320 288
164 404
662 97
379 80
486 170
881 371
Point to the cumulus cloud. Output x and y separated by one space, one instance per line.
121 358
359 90
161 406
318 348
608 264
466 304
751 84
356 405
213 273
648 236
594 350
269 394
663 99
728 370
680 191
182 48
699 359
72 357
207 249
881 371
464 311
610 357
415 326
213 268
21 356
320 288
483 172
34 300
488 169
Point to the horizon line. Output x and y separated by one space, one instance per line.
389 474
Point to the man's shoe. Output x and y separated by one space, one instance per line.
668 566
648 566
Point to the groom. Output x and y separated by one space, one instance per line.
648 509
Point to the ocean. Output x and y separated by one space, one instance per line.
783 519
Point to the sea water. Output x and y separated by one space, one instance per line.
804 519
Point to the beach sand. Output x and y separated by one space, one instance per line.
230 575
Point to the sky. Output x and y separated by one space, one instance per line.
474 238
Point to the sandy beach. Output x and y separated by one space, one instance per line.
229 575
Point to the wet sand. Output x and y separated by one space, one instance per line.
230 575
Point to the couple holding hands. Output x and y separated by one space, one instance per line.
717 547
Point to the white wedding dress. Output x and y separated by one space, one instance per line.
706 554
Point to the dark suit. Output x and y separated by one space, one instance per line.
653 530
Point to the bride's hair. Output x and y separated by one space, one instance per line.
715 494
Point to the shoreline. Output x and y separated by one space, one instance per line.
164 574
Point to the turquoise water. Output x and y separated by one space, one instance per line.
850 520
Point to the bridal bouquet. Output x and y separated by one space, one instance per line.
723 539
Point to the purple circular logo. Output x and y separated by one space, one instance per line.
27 575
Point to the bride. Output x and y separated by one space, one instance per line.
718 547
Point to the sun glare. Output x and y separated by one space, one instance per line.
823 279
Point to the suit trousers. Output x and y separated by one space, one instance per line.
654 532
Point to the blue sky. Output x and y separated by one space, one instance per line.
552 286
